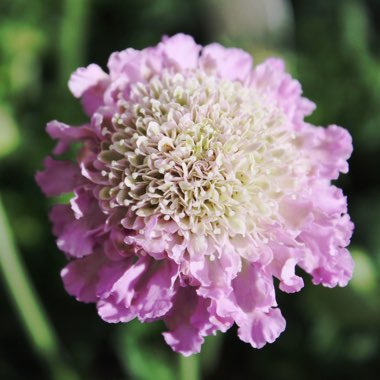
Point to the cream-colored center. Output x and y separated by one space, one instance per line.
208 153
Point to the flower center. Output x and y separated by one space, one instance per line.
208 153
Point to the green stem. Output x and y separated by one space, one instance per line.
28 305
73 37
189 367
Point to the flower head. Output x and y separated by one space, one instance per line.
197 183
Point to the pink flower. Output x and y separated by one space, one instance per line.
198 182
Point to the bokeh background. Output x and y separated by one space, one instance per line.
332 47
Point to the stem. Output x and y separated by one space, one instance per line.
189 367
27 304
73 37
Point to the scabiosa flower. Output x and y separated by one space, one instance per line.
196 184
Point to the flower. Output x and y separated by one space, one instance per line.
196 184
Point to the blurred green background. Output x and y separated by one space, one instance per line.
330 46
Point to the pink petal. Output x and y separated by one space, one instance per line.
76 235
180 50
289 281
230 63
262 327
272 80
80 277
88 278
216 275
296 212
66 134
251 306
144 291
86 78
59 177
115 248
120 62
253 288
188 322
115 305
85 206
93 98
330 199
329 148
326 259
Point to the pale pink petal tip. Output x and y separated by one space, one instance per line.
262 328
85 78
196 188
230 63
181 50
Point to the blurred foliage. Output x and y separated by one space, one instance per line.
138 351
330 46
9 135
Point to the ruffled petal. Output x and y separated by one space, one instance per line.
66 134
85 79
329 149
272 81
89 278
262 327
144 291
122 62
326 259
81 277
297 212
59 177
252 306
286 257
180 50
229 63
216 271
188 322
77 230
